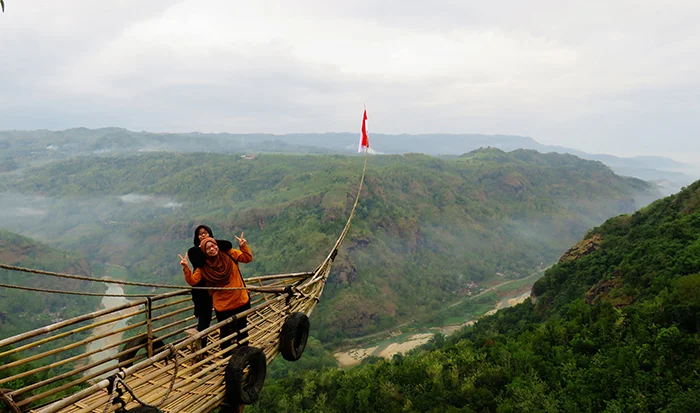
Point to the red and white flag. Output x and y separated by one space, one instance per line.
364 140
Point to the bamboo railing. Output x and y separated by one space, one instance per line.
165 318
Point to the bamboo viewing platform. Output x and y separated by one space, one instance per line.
148 354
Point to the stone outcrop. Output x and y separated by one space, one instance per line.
603 290
584 247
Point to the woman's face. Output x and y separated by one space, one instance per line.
203 233
211 249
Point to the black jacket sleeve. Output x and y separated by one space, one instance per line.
196 257
224 245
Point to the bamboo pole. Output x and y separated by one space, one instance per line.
70 359
169 304
55 351
69 373
149 326
59 336
53 327
278 276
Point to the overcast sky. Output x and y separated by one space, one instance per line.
620 77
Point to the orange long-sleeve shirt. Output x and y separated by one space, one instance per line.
225 300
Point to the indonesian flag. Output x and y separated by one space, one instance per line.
364 140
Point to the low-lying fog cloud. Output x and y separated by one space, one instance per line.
49 219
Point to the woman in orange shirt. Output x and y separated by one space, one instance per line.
201 298
220 269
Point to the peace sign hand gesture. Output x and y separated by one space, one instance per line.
241 241
183 260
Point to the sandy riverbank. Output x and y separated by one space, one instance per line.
355 356
414 341
447 330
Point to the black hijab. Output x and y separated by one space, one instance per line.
196 234
196 255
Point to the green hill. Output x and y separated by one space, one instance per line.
426 227
615 328
21 149
21 310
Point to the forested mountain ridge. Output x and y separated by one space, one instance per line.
664 236
83 141
425 228
21 148
613 327
22 311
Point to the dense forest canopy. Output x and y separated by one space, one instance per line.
426 227
22 311
614 327
35 147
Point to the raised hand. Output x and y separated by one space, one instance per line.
241 241
183 260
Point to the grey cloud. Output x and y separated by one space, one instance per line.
600 76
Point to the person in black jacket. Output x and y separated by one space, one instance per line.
201 298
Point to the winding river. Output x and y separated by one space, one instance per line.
108 302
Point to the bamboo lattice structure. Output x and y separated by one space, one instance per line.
82 357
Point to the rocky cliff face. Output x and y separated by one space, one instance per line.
582 248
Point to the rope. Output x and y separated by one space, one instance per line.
120 282
8 400
172 381
354 206
119 380
113 394
268 290
43 290
277 290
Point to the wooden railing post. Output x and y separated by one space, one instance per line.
149 325
261 285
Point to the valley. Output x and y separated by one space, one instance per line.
411 335
426 228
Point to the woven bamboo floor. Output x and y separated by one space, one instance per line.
199 383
